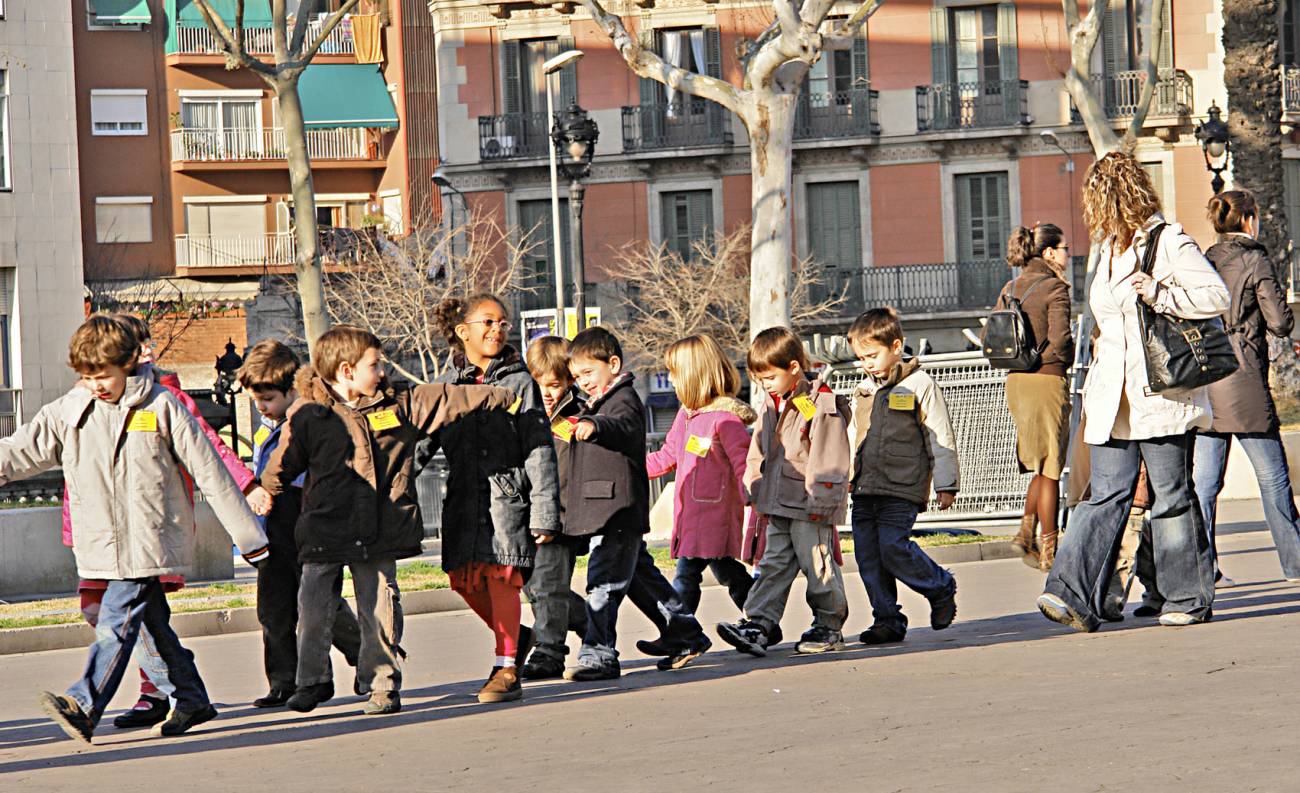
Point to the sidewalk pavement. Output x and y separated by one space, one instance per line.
1003 701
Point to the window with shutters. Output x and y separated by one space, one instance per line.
119 112
1156 170
837 100
666 117
522 129
1290 50
983 216
539 260
975 44
1126 33
123 219
687 219
976 69
835 240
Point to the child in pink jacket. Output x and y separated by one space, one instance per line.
706 446
153 704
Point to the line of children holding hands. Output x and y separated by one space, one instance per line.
338 456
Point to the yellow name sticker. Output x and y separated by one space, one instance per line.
514 407
902 401
699 446
260 436
805 406
143 421
563 429
382 420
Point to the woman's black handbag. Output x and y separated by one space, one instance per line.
1181 354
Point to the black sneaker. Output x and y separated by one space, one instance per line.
181 721
274 698
747 636
818 639
146 713
943 609
1146 610
881 634
67 713
657 647
591 669
542 667
682 657
525 644
306 698
382 703
775 636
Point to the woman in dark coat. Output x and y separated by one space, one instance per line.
1242 404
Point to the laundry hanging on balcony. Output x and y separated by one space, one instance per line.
346 95
121 12
257 13
366 38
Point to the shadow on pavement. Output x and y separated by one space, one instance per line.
452 700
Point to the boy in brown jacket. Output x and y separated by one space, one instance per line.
354 437
797 477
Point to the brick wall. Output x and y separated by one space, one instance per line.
203 340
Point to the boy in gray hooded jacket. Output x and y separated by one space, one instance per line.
128 448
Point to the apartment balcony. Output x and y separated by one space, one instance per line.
512 136
950 287
843 114
959 106
273 252
212 149
681 124
1121 94
1291 94
199 41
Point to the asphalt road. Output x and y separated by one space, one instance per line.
1002 701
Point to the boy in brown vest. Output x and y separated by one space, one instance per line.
903 443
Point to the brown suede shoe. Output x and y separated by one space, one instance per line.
503 686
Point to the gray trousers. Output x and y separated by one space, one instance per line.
794 546
557 609
379 614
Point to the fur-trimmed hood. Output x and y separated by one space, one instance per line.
730 405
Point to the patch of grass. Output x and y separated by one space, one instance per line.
29 504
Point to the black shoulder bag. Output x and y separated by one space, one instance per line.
1181 354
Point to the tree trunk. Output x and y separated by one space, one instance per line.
770 122
307 268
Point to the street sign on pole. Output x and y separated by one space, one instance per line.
541 322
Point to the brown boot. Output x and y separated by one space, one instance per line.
1047 555
503 686
1023 543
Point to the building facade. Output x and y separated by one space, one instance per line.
40 224
917 150
185 195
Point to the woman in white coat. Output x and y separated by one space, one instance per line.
1129 423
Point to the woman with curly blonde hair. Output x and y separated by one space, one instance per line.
1128 423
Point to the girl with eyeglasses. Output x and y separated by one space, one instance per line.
503 489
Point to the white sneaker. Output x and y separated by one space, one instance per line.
1176 619
1224 583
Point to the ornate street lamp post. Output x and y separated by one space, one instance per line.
1216 145
575 135
227 386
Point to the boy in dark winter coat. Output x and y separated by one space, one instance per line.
267 376
557 609
354 437
609 497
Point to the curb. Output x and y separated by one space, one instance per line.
430 601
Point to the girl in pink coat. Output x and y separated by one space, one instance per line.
706 447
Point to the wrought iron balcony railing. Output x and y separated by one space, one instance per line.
949 106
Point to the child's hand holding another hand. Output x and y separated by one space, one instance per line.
584 430
259 501
946 499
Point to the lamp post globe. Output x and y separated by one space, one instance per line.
574 138
1216 145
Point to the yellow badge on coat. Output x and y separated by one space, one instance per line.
260 436
143 421
902 401
514 406
563 429
699 446
806 407
382 420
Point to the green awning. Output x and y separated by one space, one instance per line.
257 13
346 95
122 12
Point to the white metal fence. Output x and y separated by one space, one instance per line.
259 40
243 143
246 250
991 483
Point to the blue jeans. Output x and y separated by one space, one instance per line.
127 606
620 562
882 544
1268 458
1085 560
731 573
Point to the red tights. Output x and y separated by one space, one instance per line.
496 601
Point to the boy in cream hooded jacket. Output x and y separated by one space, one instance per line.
124 443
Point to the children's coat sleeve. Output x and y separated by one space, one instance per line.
664 460
1190 287
37 446
236 468
204 464
289 457
754 458
435 405
827 474
735 444
939 434
540 465
619 427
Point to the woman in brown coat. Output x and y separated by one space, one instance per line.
1241 403
1039 399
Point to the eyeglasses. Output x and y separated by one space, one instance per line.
1065 248
489 324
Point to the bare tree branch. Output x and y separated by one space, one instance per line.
231 42
841 38
1152 69
306 11
652 67
1083 40
326 30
